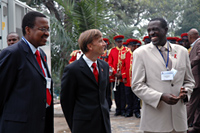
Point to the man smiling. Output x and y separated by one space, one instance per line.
162 78
84 85
26 104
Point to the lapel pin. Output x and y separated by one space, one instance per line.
101 69
45 58
175 56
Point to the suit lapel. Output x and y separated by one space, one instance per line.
101 73
30 57
86 70
174 56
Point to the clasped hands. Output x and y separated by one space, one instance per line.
172 99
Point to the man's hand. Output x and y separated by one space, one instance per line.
118 75
183 93
169 98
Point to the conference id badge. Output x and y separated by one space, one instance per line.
48 82
167 75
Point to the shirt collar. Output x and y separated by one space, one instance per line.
33 49
165 46
88 61
194 42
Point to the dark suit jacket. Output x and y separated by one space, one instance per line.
84 101
195 63
23 92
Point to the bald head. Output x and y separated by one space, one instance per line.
193 34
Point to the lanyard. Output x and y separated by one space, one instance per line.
25 41
166 63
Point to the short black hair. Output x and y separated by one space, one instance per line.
13 33
29 20
162 21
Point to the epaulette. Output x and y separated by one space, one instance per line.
74 53
127 49
109 51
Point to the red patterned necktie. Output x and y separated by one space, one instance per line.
95 72
48 95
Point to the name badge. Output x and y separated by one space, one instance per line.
48 85
167 75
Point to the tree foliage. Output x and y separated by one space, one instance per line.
113 17
190 18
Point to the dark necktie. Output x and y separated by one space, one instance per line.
48 95
95 72
164 53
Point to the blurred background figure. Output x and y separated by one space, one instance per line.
186 44
133 102
12 38
146 39
117 54
75 55
171 40
193 108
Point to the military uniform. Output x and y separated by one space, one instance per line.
75 55
171 40
105 58
184 37
115 62
146 39
133 102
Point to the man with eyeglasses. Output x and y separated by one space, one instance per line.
26 104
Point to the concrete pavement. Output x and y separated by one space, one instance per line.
119 124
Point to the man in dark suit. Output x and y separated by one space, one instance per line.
26 104
193 107
83 87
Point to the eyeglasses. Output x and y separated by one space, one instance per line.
44 29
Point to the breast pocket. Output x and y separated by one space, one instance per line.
15 117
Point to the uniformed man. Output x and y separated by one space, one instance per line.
186 44
75 55
115 61
106 51
139 43
125 44
105 58
179 41
146 39
133 102
171 40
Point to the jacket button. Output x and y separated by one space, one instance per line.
172 85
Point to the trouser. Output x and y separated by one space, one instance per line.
193 109
120 99
133 102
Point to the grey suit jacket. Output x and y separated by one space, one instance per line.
157 116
